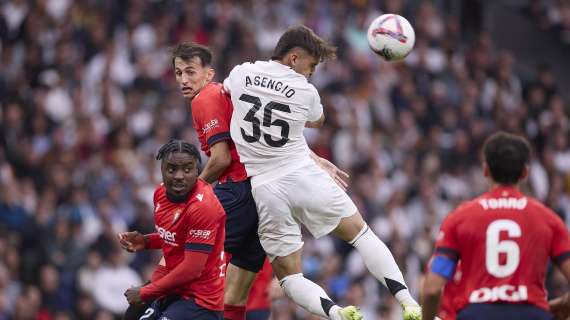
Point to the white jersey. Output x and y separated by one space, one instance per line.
272 104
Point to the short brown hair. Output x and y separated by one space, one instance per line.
303 37
189 50
506 156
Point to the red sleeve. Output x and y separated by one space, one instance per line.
211 116
189 269
203 228
153 241
560 247
447 243
158 273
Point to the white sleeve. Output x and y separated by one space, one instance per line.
315 108
227 85
228 81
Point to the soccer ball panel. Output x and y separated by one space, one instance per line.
391 36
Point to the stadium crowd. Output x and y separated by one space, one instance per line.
88 95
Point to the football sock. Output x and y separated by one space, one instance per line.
234 312
380 262
308 295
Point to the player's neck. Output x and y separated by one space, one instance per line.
176 198
281 62
495 185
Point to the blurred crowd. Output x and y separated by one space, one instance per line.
553 16
88 96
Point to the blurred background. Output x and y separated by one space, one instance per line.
87 96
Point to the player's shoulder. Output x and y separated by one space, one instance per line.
466 208
159 192
242 67
542 211
212 90
204 198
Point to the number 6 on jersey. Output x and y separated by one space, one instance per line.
494 247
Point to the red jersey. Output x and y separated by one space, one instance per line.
258 298
504 241
211 114
197 224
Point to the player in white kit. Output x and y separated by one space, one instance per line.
273 102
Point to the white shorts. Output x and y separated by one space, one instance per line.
307 196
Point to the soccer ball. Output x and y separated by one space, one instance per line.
391 37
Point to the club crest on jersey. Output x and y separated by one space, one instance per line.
176 215
200 196
157 208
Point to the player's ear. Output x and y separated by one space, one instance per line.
525 172
486 172
210 74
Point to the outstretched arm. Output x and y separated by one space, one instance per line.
135 241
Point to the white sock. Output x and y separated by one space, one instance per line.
309 295
381 264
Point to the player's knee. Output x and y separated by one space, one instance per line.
349 227
286 266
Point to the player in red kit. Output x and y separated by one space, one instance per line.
189 222
211 114
504 240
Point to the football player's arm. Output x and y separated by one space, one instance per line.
338 175
432 290
135 241
153 241
560 307
316 124
560 254
441 269
316 115
198 247
213 118
220 159
189 269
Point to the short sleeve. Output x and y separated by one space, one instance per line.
212 116
228 81
203 227
560 247
315 108
447 243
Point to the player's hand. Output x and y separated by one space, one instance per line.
131 241
560 307
340 177
133 295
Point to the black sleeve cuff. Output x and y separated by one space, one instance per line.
561 257
201 247
451 253
218 137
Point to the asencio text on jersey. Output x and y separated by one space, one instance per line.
266 82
